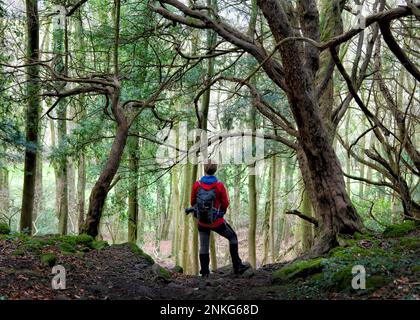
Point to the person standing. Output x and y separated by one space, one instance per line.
210 201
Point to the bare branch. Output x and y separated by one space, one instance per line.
304 217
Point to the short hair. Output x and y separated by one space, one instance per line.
210 168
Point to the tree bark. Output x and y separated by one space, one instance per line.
266 226
273 206
176 212
186 263
100 190
32 116
195 248
306 227
133 205
81 189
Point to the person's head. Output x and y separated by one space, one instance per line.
210 168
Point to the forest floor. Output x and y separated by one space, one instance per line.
95 270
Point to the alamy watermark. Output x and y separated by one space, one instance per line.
359 278
198 146
58 282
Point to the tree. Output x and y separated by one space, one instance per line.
133 199
296 75
32 115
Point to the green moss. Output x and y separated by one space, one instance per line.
134 248
298 269
342 278
98 245
376 281
398 230
81 239
410 243
178 269
364 236
72 244
48 259
18 252
67 248
318 276
165 273
84 239
4 228
415 268
349 253
35 245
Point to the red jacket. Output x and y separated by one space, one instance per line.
221 203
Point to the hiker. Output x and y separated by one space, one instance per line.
210 201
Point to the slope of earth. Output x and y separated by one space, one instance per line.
95 270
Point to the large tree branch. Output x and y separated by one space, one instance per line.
198 19
353 91
396 50
264 107
374 183
383 16
75 7
304 217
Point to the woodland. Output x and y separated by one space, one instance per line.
109 109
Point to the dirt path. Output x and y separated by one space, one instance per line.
118 273
125 272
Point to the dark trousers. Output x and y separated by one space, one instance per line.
226 231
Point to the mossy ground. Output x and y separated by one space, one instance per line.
98 271
4 228
298 269
386 258
398 230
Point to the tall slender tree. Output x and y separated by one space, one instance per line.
32 115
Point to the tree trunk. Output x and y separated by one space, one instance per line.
266 233
273 206
100 190
133 205
252 229
306 227
32 116
348 164
267 226
280 218
4 192
169 215
39 201
62 172
186 228
289 172
236 212
321 165
59 48
73 216
194 226
176 212
81 189
362 165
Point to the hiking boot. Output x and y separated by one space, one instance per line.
240 269
204 263
238 266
